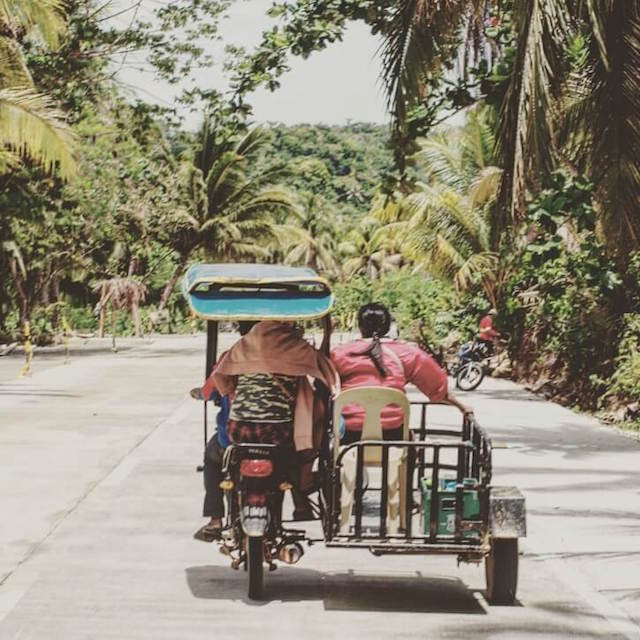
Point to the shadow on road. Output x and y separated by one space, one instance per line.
573 440
345 591
513 394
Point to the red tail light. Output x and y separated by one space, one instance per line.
256 468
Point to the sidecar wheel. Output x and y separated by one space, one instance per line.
501 570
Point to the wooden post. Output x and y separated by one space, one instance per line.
103 311
28 350
113 329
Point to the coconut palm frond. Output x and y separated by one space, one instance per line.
31 126
270 201
595 18
354 265
485 186
224 178
474 268
445 259
242 188
310 239
251 144
193 180
9 161
442 160
256 230
13 69
420 34
298 255
419 243
123 293
611 119
239 208
478 140
526 131
348 248
389 233
47 16
464 222
244 250
419 205
391 211
208 149
291 234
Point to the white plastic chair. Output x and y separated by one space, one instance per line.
373 400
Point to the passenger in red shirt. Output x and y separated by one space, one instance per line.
487 333
373 361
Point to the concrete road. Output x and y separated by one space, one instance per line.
99 500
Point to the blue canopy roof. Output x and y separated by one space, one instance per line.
256 292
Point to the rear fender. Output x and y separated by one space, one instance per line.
254 519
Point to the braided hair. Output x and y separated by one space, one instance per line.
374 321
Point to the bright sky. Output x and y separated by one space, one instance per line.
332 86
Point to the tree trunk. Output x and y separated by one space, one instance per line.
489 290
166 294
134 264
135 312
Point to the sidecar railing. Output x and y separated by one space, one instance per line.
425 456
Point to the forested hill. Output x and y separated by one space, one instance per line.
343 164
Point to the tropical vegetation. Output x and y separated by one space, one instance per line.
528 203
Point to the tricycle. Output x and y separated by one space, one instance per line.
431 492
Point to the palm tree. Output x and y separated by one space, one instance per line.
123 294
420 39
424 36
603 116
451 238
29 123
310 236
526 127
229 209
598 102
371 249
448 225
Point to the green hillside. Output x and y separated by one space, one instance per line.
343 164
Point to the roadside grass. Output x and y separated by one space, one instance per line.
633 425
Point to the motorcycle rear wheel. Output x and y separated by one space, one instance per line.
469 376
255 562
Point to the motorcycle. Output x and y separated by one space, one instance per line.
470 368
256 477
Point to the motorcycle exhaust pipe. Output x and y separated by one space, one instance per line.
291 553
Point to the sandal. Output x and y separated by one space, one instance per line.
212 531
